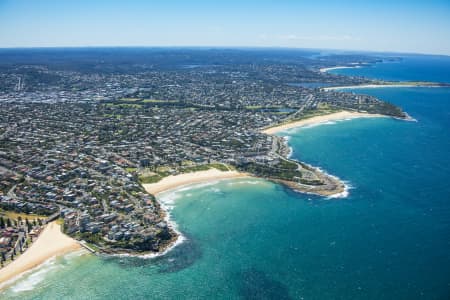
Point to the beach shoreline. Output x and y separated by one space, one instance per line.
176 181
50 243
316 120
324 70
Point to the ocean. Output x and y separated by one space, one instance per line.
253 239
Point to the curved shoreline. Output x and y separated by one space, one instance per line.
176 181
321 119
172 182
50 243
324 70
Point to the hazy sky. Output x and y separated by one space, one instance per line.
404 26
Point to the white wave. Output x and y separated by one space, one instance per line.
32 278
180 239
291 151
174 194
215 190
286 138
168 199
319 124
28 280
343 194
347 185
71 255
290 131
252 182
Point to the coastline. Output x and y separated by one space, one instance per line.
373 86
324 70
50 243
176 181
333 186
341 115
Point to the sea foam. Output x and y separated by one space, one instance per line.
28 280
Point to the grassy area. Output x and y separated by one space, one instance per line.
251 107
93 247
117 116
220 167
15 216
320 111
159 101
163 169
272 172
130 99
150 179
195 168
131 170
288 165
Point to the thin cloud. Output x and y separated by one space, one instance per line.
294 37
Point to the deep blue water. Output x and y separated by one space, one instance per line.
252 239
410 68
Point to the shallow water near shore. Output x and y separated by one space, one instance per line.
252 239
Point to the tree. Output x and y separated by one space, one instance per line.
2 222
29 226
8 222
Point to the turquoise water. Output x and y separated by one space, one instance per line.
252 239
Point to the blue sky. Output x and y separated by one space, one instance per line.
401 26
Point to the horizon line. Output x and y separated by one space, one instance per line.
221 47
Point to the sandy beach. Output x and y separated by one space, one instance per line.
175 181
51 242
321 119
323 70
